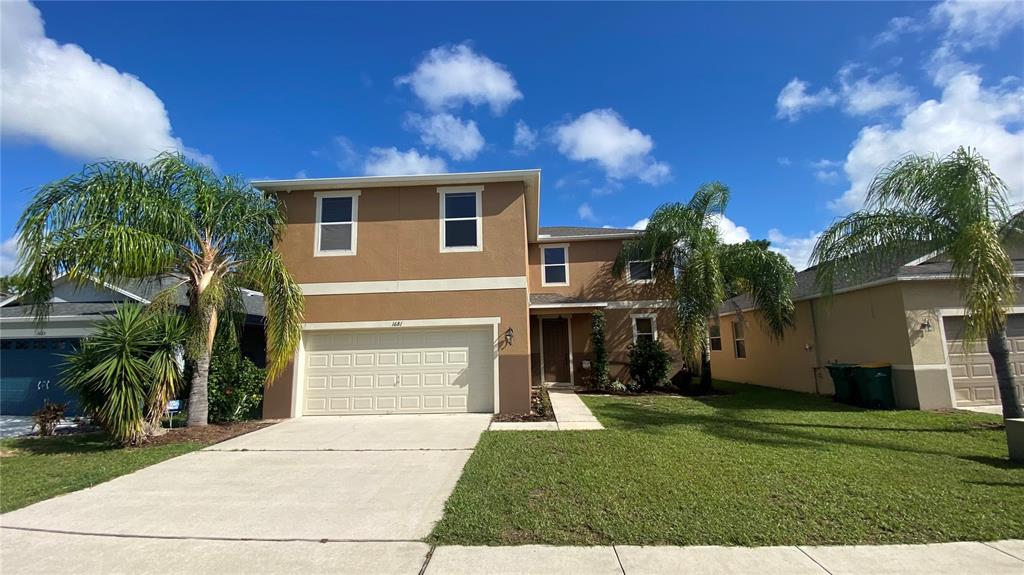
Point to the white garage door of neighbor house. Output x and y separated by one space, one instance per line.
403 370
974 375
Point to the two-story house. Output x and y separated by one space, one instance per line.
441 293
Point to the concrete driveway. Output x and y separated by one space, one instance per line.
366 480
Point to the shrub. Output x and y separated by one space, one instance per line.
648 364
599 368
121 372
235 385
48 417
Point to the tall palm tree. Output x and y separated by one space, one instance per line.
683 243
118 220
953 205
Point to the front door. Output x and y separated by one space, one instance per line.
555 334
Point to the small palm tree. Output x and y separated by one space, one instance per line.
127 370
683 243
173 217
953 205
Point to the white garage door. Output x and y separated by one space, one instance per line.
401 370
974 375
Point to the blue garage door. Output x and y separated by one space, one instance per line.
30 374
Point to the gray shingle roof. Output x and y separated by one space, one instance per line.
807 289
576 231
553 298
61 309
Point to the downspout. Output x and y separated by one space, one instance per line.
817 352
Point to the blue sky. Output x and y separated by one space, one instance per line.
623 107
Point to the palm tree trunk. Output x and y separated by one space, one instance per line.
1000 352
199 395
705 371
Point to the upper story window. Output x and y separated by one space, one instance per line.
644 327
715 334
555 265
461 219
640 272
739 341
336 221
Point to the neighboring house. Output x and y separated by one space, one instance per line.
909 317
31 355
441 293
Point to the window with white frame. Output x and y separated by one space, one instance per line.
555 263
715 334
641 272
336 221
739 341
644 328
461 221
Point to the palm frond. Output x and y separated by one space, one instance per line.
768 277
284 305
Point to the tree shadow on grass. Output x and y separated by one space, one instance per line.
723 425
61 444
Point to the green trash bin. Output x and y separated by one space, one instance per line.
842 379
874 384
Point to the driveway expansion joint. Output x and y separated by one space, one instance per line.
206 537
1003 551
816 562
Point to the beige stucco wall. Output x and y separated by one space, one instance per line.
590 275
398 237
785 364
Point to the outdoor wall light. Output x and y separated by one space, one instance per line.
926 325
509 336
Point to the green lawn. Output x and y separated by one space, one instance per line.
37 468
759 467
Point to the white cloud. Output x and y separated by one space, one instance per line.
585 212
641 224
301 175
968 114
728 231
866 95
784 161
392 162
796 250
8 255
794 100
825 170
623 152
460 140
61 96
972 24
524 139
450 76
895 28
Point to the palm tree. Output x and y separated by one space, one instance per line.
119 220
125 372
684 245
953 205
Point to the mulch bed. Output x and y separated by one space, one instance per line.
540 409
213 433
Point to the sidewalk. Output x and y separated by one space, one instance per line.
571 414
965 558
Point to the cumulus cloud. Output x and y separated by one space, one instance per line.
826 171
794 100
641 224
8 255
392 162
585 212
968 114
460 140
603 137
784 161
970 24
450 76
796 249
524 140
729 232
867 95
61 96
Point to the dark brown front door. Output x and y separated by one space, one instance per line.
555 332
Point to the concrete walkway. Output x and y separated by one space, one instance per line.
23 551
